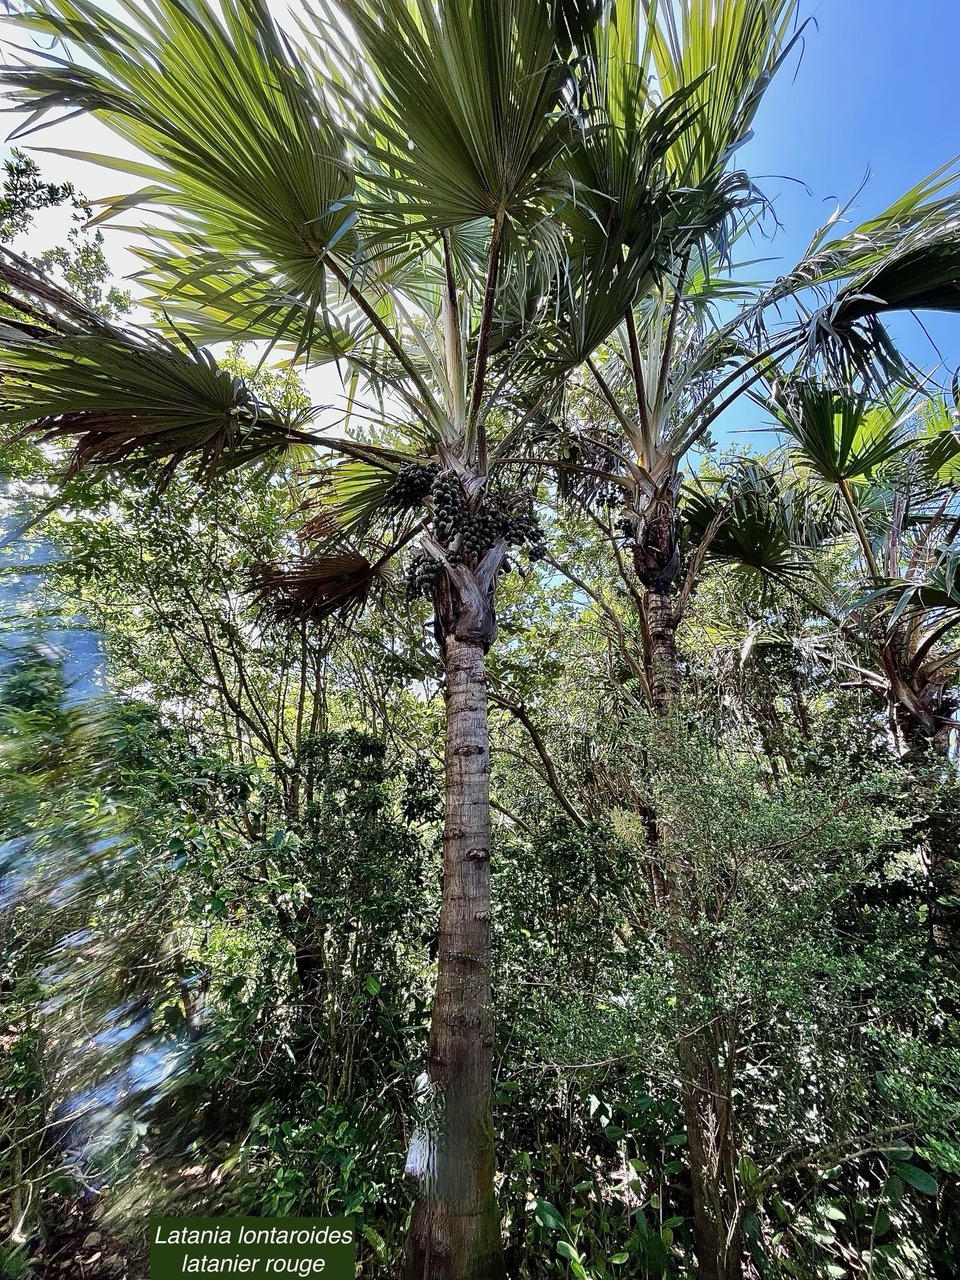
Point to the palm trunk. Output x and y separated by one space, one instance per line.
663 665
709 1139
455 1230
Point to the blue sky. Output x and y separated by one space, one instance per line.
876 88
875 91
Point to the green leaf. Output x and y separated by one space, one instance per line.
917 1178
842 436
548 1216
468 114
121 392
194 88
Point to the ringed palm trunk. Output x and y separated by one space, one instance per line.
663 665
455 1229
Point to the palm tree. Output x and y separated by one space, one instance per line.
886 465
655 387
648 393
398 189
857 520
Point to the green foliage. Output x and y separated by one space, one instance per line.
123 392
295 856
25 193
158 70
725 977
81 261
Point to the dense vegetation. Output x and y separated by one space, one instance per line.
515 808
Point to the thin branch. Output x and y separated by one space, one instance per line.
609 613
520 713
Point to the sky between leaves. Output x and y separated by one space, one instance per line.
872 96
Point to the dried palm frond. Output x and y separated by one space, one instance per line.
315 587
320 527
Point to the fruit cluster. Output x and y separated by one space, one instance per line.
466 535
422 577
519 527
412 484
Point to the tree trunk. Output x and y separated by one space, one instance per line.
709 1140
455 1230
663 664
706 1227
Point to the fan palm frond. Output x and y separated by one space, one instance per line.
667 93
904 259
726 55
461 106
243 150
842 436
755 522
939 441
120 392
315 587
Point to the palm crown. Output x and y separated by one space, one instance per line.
495 185
461 203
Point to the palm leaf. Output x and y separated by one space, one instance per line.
726 55
464 116
243 151
315 587
929 607
761 524
666 94
904 259
939 441
842 436
121 393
